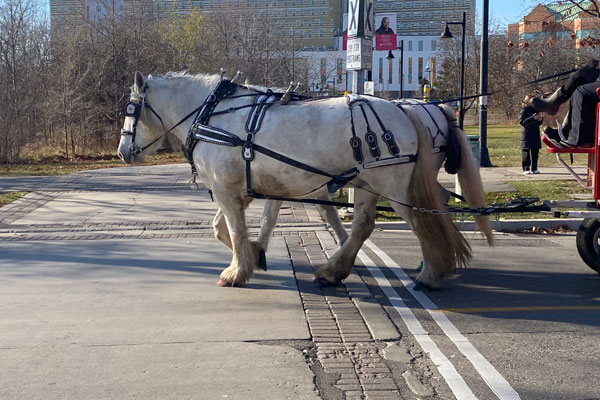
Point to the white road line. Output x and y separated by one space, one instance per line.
490 375
456 383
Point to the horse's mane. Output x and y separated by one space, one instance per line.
208 77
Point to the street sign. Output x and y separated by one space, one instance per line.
359 54
360 18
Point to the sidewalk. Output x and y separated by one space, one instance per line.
496 179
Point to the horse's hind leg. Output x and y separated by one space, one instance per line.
340 265
269 219
243 261
331 216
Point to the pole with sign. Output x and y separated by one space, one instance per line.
359 53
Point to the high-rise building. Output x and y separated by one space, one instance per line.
68 16
312 22
425 17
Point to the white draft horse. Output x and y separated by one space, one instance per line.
317 134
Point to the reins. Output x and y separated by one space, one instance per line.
529 83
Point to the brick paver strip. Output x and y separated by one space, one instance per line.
344 343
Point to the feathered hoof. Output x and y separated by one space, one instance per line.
422 287
322 282
225 283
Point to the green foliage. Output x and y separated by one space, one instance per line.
185 35
9 197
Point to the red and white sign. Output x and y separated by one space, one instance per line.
385 35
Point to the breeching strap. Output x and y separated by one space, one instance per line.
248 147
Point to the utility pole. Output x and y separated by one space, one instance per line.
483 71
359 53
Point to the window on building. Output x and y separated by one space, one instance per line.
420 45
380 70
433 45
420 68
410 70
390 72
410 45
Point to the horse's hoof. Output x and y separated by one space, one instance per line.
421 287
224 283
262 260
322 282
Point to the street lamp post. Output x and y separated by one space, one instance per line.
484 155
428 71
390 57
448 35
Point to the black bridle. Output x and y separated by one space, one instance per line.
133 108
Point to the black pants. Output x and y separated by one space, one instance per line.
585 74
582 111
530 159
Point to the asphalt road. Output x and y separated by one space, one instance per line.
528 305
107 286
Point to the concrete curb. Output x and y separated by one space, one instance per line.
498 226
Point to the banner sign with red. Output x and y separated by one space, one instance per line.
385 37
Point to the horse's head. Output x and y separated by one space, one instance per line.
142 127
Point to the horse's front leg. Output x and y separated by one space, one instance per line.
220 229
243 260
340 265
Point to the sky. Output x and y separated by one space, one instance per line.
504 12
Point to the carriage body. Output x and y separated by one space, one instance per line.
588 233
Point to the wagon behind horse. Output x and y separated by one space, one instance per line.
299 148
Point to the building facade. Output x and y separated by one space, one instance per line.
558 20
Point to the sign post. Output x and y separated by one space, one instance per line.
359 53
359 56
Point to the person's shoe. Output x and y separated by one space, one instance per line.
566 124
552 135
551 104
526 172
566 145
559 128
535 171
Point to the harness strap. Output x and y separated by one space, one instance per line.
259 108
387 135
219 136
370 136
223 89
355 142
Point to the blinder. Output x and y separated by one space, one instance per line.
133 109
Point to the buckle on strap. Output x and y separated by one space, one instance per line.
248 148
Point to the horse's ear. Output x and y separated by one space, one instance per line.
139 81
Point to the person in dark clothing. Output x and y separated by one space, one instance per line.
530 121
578 127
